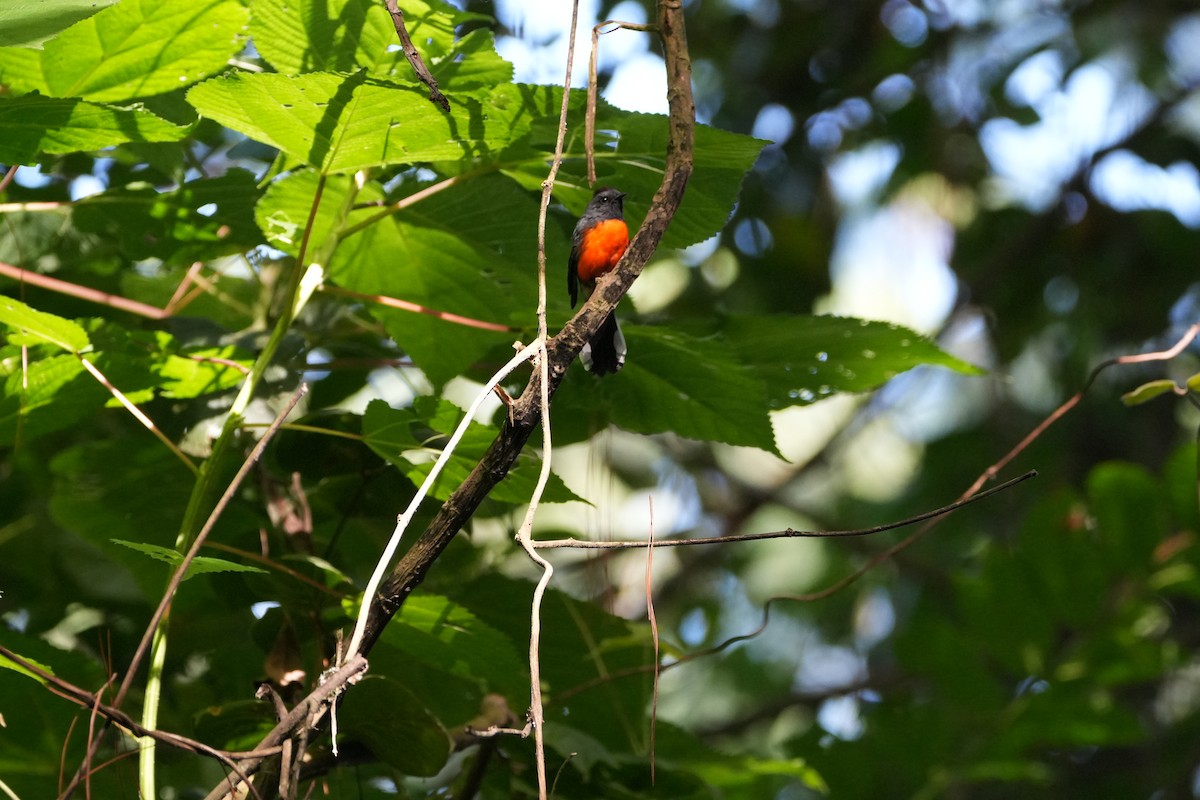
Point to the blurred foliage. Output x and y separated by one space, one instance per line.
1042 644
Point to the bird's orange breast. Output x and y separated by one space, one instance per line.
601 248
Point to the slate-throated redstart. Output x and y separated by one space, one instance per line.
598 243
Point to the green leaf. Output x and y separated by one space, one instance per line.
584 751
37 327
696 387
285 209
580 644
631 156
6 663
53 393
345 123
1131 513
99 492
1148 391
804 359
201 371
300 36
412 439
450 253
135 48
198 566
679 748
473 61
1054 532
31 23
439 632
204 218
499 219
394 725
33 124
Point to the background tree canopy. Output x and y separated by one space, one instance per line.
911 233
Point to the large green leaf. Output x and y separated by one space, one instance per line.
582 649
631 156
394 725
412 439
284 214
199 371
299 36
344 123
697 387
135 48
29 326
445 264
442 634
1131 512
473 61
804 359
51 394
202 218
499 219
34 124
98 482
30 23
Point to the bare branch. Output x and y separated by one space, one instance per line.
589 135
584 544
414 57
406 305
524 414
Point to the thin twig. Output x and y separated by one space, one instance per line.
968 496
523 417
9 174
82 292
414 57
525 532
178 298
404 203
593 89
653 636
137 413
583 544
181 570
385 558
91 701
405 305
91 737
45 205
306 714
991 472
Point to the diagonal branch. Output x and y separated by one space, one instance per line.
525 415
414 57
790 533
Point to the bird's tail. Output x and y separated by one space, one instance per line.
605 353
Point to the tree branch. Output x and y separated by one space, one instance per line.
524 414
414 57
790 533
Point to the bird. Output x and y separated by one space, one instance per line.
599 241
